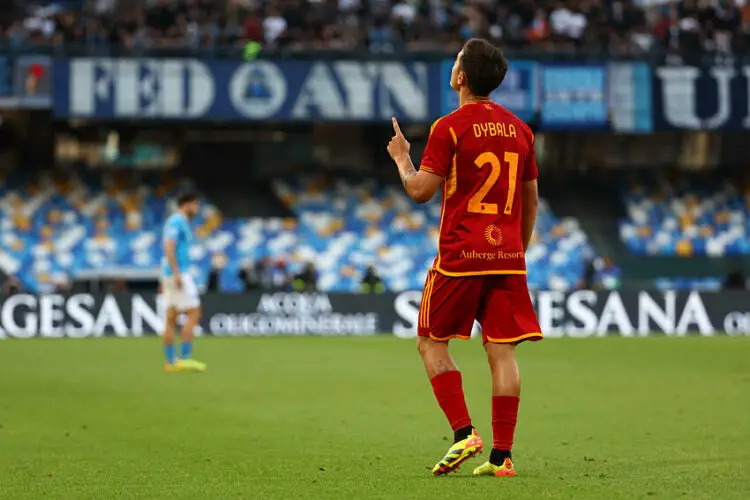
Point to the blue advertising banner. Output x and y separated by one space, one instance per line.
630 97
701 98
574 96
519 92
191 89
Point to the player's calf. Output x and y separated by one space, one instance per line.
186 362
187 334
447 385
170 327
506 392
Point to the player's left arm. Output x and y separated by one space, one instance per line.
421 185
529 195
529 206
171 235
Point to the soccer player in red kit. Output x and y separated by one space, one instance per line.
483 157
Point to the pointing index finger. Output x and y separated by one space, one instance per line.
396 128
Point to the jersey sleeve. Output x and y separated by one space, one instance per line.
171 231
531 169
439 151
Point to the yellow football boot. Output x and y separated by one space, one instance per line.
190 365
488 469
172 368
459 453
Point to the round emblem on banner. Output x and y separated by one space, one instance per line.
258 89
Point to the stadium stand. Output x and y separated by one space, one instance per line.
80 225
55 231
67 227
620 26
350 225
686 216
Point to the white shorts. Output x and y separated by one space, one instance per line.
182 299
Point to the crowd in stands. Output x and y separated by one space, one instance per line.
346 236
613 26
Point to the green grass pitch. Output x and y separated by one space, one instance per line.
354 418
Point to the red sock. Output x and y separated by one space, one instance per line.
504 416
450 396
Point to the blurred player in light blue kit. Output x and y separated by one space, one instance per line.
180 293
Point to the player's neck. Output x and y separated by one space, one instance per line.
470 99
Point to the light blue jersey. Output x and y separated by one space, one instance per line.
177 228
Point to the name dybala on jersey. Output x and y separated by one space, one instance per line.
483 152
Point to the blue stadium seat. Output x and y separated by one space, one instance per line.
687 216
52 230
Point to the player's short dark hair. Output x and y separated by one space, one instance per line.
187 197
485 66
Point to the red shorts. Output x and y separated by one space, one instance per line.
501 304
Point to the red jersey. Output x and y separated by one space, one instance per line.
483 152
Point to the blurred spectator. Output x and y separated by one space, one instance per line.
618 26
248 276
218 263
307 280
589 275
568 23
600 274
693 26
735 281
251 274
279 276
117 286
371 282
10 284
607 274
274 25
264 275
723 22
403 11
538 30
629 26
62 283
